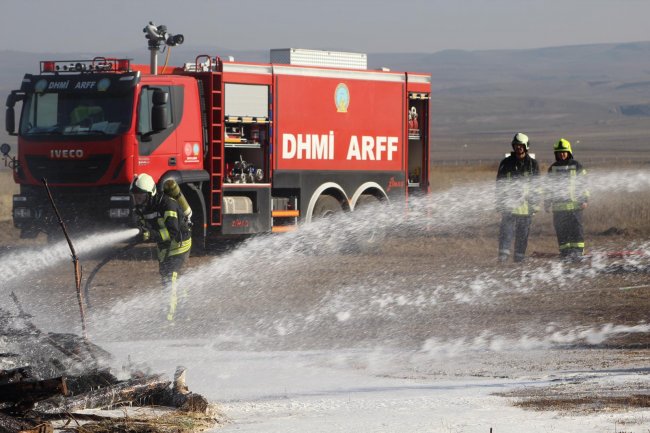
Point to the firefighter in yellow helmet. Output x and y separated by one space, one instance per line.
517 198
567 195
161 220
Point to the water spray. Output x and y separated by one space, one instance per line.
16 264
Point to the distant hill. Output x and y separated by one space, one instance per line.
597 94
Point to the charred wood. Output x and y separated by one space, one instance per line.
63 349
135 391
183 398
15 375
179 396
9 424
32 390
90 381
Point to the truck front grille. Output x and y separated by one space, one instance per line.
88 170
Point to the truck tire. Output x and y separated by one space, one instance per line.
199 219
366 200
369 240
326 206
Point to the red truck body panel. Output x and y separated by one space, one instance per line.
185 141
361 130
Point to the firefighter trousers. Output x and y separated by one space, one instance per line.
517 227
570 232
170 271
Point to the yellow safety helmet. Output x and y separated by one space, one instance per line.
563 145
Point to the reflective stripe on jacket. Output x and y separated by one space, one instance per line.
171 245
566 188
517 188
172 236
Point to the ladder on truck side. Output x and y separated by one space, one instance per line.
211 77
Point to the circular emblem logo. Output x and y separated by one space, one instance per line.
342 98
188 149
40 86
103 84
196 149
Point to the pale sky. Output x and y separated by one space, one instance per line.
351 25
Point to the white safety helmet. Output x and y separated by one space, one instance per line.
520 138
143 183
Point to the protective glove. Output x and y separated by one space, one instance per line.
145 235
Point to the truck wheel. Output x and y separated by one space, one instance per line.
371 236
366 200
326 206
199 239
199 219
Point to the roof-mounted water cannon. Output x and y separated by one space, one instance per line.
158 37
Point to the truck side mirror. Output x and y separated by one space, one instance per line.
160 110
10 114
10 121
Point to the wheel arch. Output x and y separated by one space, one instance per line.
328 188
371 188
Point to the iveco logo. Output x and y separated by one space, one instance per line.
66 154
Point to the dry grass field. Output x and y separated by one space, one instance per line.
8 188
624 211
628 212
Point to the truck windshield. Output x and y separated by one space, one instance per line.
76 113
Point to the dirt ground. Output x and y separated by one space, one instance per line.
614 293
417 289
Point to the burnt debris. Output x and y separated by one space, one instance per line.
47 378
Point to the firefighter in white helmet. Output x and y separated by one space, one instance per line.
517 198
567 195
160 219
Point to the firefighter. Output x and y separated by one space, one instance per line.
567 196
517 198
86 114
161 220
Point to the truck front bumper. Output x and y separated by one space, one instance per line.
33 210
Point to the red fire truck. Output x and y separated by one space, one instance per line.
255 147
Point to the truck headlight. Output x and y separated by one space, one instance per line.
22 213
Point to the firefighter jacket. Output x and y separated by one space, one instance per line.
517 190
167 226
566 188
